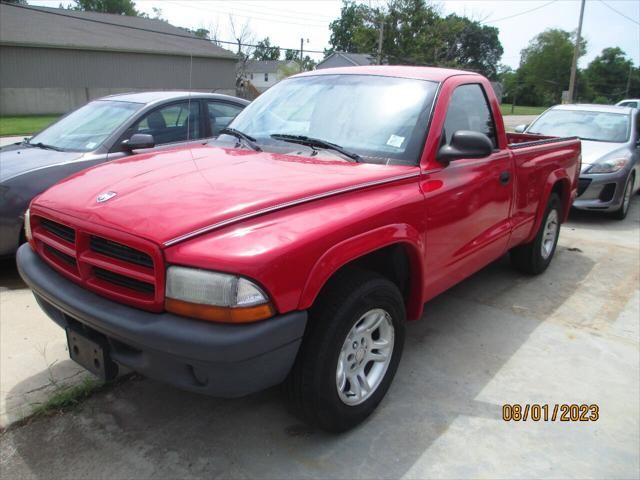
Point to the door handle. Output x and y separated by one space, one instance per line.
505 177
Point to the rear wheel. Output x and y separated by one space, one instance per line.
350 352
534 257
622 212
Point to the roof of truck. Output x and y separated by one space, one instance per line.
422 73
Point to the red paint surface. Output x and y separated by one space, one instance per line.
452 220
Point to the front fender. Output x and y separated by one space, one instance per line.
355 247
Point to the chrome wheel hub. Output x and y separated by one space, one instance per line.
549 234
365 357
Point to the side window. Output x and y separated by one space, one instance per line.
469 110
221 114
173 123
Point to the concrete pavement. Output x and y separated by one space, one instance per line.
9 140
568 336
512 121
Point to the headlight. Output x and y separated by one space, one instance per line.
608 166
213 296
27 226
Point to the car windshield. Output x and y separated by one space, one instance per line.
376 119
85 129
588 125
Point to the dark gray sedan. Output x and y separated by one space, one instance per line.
105 129
610 137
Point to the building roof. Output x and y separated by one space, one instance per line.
59 28
266 66
355 59
401 71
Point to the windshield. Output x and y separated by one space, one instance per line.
86 128
381 119
588 125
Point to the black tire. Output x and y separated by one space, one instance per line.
311 386
528 258
622 212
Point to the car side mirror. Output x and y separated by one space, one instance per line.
521 128
465 144
138 142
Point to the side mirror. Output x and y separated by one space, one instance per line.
138 142
521 128
465 144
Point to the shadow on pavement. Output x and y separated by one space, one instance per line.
9 277
604 221
145 429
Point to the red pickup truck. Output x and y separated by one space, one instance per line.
294 247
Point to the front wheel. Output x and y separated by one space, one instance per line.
534 257
622 212
350 352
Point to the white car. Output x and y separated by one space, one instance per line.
629 102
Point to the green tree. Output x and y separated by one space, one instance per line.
308 63
119 7
607 75
545 66
416 34
355 30
469 45
265 51
201 33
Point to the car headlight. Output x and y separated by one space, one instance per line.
608 166
27 226
218 297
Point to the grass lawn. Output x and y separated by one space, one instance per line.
521 110
25 125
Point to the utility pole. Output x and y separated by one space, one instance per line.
380 37
576 53
626 92
301 47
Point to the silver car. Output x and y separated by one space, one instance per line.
105 129
610 152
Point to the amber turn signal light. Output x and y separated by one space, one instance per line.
219 314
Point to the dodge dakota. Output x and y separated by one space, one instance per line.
292 249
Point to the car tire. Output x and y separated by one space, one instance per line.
534 257
622 212
319 385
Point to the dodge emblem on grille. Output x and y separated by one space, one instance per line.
103 197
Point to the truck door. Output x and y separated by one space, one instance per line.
468 201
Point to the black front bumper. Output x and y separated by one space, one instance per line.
216 359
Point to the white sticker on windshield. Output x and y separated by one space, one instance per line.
395 141
91 145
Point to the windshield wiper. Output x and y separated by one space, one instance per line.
316 143
44 146
242 136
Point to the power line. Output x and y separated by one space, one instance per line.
521 13
129 27
618 12
260 16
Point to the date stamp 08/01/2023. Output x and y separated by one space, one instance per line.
544 412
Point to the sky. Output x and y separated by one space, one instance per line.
607 23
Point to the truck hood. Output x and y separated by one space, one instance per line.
163 196
18 159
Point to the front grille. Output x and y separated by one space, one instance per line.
122 281
119 251
583 184
133 275
62 256
59 230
